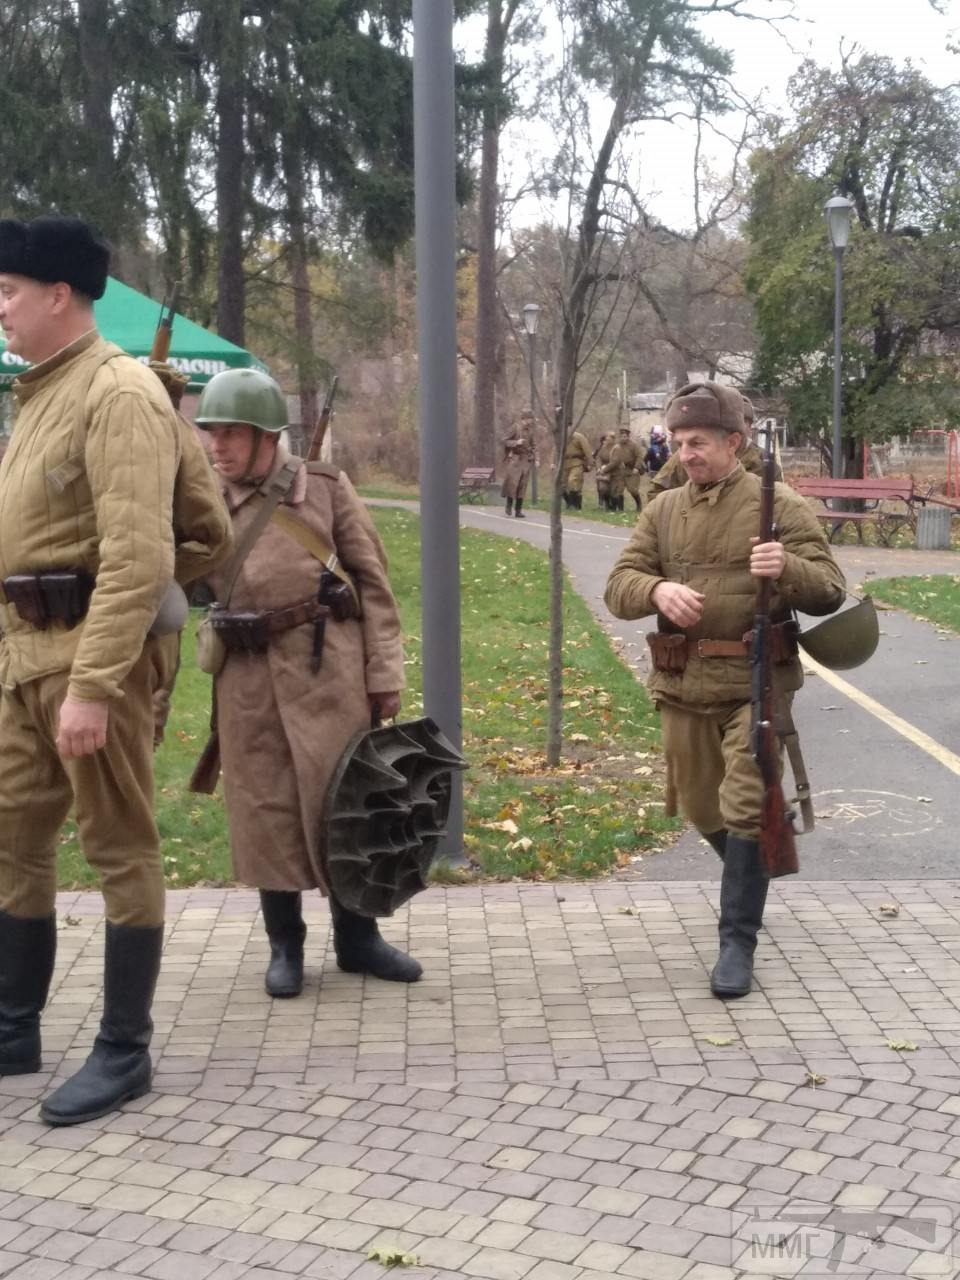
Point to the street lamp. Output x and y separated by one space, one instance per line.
531 318
837 212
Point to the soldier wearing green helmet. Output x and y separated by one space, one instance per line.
313 653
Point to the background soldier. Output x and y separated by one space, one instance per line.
694 559
576 461
304 672
628 468
673 475
87 489
601 457
518 458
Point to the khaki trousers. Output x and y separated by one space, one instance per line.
573 477
712 770
111 793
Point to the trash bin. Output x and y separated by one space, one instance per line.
933 528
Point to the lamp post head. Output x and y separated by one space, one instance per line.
837 211
531 317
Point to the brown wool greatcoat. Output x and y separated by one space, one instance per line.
517 462
283 729
577 459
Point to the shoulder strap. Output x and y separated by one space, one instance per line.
323 469
278 488
318 547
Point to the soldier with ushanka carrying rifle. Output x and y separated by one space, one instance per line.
695 560
106 509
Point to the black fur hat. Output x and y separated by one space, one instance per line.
54 249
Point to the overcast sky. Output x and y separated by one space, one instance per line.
765 59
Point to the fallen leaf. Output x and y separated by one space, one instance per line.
579 737
508 825
924 799
721 1042
71 920
889 909
830 708
393 1258
524 845
629 911
903 1046
814 1078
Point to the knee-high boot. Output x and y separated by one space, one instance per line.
118 1068
28 947
743 895
360 948
283 921
518 509
509 507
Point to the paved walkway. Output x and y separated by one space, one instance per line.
558 1099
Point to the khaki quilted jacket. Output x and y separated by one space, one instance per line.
700 535
88 482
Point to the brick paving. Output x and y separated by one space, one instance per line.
559 1099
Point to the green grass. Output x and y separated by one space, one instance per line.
599 809
934 597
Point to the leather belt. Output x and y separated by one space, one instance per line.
295 616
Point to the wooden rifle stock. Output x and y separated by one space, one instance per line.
160 351
206 771
778 850
320 431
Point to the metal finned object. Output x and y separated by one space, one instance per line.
846 639
385 815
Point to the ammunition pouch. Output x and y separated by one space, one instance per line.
671 651
335 595
250 631
56 595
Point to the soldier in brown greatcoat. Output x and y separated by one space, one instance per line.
518 457
626 462
694 560
89 491
601 456
287 713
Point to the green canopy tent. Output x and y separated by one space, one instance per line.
130 320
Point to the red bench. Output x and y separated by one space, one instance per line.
872 493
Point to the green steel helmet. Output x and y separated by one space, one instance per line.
242 395
845 640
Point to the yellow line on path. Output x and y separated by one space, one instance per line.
943 755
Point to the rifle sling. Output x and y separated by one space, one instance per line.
787 732
277 490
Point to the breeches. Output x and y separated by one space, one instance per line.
110 792
632 484
617 484
573 482
712 770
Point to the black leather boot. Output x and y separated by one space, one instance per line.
578 501
28 947
360 948
118 1068
509 507
743 894
518 509
718 840
283 921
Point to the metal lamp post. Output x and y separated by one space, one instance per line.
531 318
837 212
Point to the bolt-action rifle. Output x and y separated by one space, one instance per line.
320 431
778 850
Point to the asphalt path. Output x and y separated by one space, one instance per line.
881 743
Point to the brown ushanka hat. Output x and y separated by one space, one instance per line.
53 249
705 404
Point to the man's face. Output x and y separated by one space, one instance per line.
230 445
624 437
27 313
706 455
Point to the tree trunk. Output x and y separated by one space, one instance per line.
293 171
555 657
103 205
231 287
488 308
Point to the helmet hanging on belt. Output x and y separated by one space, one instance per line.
385 813
845 640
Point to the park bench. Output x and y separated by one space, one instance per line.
475 483
872 493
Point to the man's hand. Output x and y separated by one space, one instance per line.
384 706
682 605
83 727
767 559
